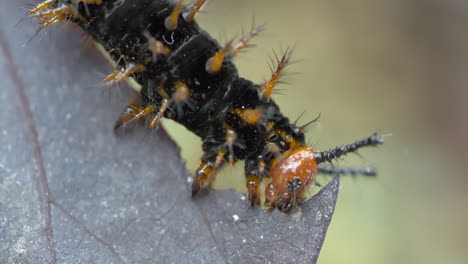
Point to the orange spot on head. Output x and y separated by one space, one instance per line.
291 173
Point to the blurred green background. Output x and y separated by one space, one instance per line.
398 67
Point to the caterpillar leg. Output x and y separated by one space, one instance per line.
216 154
123 74
134 111
203 176
253 181
255 170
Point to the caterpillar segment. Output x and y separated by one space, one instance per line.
186 76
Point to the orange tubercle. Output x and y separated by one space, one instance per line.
171 21
250 116
213 65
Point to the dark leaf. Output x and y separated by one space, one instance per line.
72 192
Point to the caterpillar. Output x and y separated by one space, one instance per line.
187 76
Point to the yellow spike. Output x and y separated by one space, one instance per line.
243 42
120 76
171 21
193 9
213 64
250 116
267 89
41 6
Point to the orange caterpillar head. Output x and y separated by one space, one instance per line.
291 173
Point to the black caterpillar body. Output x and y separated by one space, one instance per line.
236 118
